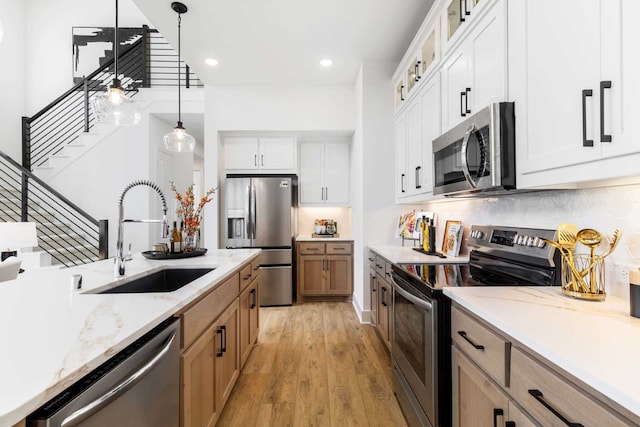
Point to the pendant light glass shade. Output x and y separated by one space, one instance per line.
113 106
178 139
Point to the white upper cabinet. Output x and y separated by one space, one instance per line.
457 16
324 173
268 154
574 79
475 73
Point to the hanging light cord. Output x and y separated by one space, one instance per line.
115 46
179 84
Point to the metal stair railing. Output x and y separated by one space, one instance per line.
150 61
69 234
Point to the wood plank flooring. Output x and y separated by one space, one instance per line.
315 365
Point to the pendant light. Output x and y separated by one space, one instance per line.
113 106
178 139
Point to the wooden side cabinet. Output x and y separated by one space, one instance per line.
249 319
325 270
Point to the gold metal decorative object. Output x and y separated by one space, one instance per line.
583 275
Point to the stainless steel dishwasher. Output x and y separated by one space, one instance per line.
139 386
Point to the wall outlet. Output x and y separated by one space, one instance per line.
622 271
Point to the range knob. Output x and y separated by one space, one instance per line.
541 243
519 240
479 234
474 233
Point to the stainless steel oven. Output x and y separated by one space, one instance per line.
421 324
477 155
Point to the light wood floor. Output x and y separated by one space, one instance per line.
314 365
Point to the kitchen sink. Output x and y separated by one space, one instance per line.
167 280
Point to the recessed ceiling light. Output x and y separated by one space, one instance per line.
211 61
326 62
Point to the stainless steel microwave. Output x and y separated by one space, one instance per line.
477 155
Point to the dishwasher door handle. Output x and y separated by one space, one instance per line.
85 412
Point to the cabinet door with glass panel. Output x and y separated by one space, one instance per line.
456 16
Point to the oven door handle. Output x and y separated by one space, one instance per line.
463 156
426 305
83 413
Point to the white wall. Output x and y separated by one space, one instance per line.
48 41
266 108
604 209
12 82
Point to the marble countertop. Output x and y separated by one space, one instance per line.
53 335
405 254
307 238
596 342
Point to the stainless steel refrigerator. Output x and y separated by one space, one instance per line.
261 212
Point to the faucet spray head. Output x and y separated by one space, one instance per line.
165 226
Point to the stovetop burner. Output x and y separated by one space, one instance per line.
500 256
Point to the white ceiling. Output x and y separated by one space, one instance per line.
282 41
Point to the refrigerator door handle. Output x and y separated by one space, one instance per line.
253 211
249 218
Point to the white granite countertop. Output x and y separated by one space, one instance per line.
52 335
596 342
307 238
405 254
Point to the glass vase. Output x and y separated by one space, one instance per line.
190 242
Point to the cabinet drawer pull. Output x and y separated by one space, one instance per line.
387 274
255 160
382 299
221 352
510 424
463 334
224 338
256 268
402 183
585 142
497 412
462 113
603 136
261 159
537 394
378 265
311 249
248 276
418 185
370 259
401 93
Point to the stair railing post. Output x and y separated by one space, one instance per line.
103 239
85 88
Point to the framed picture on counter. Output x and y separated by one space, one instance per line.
452 239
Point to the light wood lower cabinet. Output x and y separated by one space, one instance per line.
373 290
325 269
385 295
219 339
496 383
249 320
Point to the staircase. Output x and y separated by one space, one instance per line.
59 134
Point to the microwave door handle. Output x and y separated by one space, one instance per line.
463 154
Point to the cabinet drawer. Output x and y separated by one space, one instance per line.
311 248
198 317
380 265
372 259
255 268
339 248
537 389
487 349
245 276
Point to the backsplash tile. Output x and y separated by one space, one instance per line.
604 209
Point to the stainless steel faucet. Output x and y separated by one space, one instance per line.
120 259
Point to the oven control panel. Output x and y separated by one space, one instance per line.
529 241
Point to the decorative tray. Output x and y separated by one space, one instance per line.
324 235
169 255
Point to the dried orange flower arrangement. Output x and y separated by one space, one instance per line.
187 211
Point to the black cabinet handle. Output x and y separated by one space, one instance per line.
462 10
462 113
255 160
585 142
466 11
253 298
370 259
463 334
416 68
603 136
248 276
221 352
382 299
224 338
537 394
401 94
497 412
261 159
467 91
402 183
510 424
418 185
388 274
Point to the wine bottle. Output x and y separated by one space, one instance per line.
175 239
432 236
